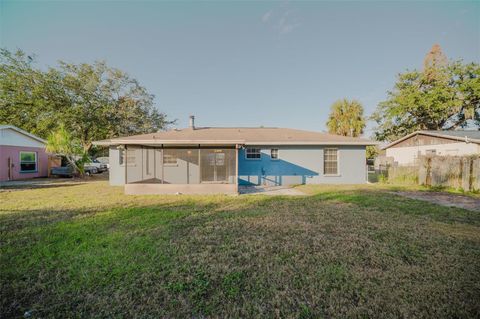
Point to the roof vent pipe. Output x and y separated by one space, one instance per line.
191 122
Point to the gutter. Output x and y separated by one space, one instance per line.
219 142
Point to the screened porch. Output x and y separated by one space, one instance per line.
179 166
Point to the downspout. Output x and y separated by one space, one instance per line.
236 168
163 172
154 164
10 175
199 165
126 164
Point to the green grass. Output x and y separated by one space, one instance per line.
343 251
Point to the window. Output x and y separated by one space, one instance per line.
169 159
28 162
253 153
130 157
431 152
274 153
330 161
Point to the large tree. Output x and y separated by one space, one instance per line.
442 96
25 100
346 118
93 101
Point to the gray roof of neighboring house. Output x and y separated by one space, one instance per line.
472 136
19 130
468 133
237 135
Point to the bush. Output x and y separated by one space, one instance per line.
382 178
403 175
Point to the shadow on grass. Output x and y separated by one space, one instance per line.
227 207
387 203
352 253
37 186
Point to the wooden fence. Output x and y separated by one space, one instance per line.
460 172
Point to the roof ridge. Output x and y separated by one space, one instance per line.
231 127
21 131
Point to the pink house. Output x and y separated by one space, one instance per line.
22 155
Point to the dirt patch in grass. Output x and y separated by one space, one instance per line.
342 252
445 199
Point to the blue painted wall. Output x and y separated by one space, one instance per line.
301 165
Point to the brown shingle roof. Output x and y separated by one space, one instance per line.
238 135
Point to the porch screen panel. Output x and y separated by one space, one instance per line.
217 165
148 159
132 161
157 169
180 166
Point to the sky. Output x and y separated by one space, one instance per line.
247 63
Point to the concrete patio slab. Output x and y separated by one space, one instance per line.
273 190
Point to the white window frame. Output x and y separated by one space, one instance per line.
123 156
36 162
253 158
277 154
170 156
337 161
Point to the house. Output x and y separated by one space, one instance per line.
22 155
218 159
406 150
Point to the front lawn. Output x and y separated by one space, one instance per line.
87 250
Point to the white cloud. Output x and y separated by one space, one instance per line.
282 20
287 23
286 28
266 17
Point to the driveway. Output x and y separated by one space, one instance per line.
444 199
38 183
48 182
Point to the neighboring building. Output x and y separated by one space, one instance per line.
406 150
217 160
22 155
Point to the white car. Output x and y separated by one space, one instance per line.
101 167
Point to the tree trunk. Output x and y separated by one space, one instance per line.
74 165
87 147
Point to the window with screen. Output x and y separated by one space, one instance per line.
274 153
130 157
169 159
28 162
330 161
253 153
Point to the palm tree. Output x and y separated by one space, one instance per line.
346 118
63 143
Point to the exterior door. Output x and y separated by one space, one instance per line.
214 166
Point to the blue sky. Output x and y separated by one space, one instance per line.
247 63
